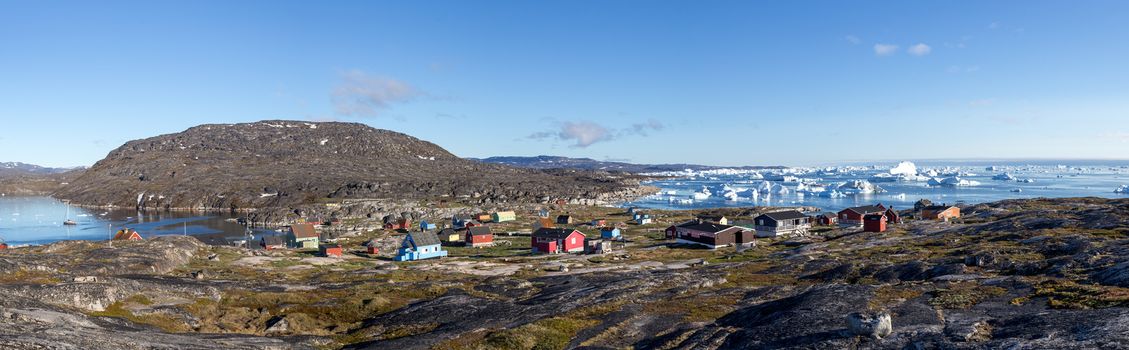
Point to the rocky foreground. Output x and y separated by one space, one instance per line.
1022 274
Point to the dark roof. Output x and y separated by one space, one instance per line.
828 215
303 230
866 209
424 238
563 216
372 243
273 240
785 215
705 226
447 231
330 246
874 217
557 233
479 231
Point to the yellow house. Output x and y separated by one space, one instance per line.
503 216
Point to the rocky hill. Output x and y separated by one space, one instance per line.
555 162
287 163
9 169
25 183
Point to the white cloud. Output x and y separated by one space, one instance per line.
885 49
854 40
361 94
919 50
585 133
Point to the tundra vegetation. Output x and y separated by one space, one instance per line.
1044 273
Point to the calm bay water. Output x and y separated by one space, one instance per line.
1033 179
38 220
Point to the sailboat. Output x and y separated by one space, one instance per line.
67 220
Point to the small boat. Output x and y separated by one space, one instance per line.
67 219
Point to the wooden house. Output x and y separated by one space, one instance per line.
503 216
543 223
781 223
721 219
710 235
599 222
272 242
127 234
874 223
3 245
460 221
424 225
330 250
450 236
598 246
564 219
483 217
314 221
303 236
372 246
479 236
853 216
644 220
399 224
892 216
609 232
827 219
543 213
557 240
940 212
419 246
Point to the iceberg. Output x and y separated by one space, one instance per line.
1026 181
1005 177
904 168
954 181
1124 189
859 187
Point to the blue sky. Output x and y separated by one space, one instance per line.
714 82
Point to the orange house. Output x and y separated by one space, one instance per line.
127 234
940 212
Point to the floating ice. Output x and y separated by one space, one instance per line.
1004 177
1122 189
904 168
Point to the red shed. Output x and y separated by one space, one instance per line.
479 236
874 223
372 247
331 250
563 240
853 216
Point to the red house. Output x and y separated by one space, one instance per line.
557 240
479 236
853 216
827 219
127 234
874 223
372 247
331 250
399 224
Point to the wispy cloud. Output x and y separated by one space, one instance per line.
885 49
1122 136
983 102
585 133
363 95
854 40
919 49
962 69
642 129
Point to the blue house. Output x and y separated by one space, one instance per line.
424 226
460 221
419 246
609 232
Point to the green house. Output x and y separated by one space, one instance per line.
303 236
503 216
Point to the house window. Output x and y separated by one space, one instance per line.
573 240
760 222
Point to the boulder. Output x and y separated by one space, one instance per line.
873 325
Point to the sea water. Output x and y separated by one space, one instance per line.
1044 178
39 220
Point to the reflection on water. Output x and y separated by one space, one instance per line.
37 220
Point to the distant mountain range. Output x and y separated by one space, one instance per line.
554 162
17 168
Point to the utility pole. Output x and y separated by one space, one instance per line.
110 233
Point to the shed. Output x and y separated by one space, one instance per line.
479 236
